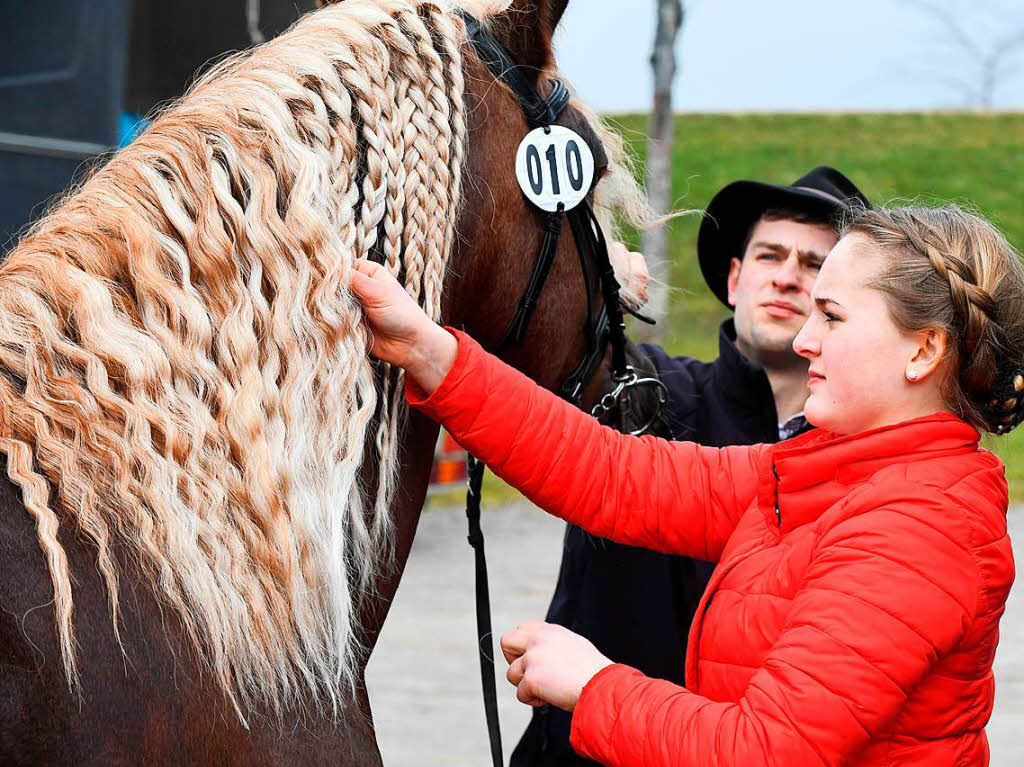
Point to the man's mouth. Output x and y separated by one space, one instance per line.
814 377
782 309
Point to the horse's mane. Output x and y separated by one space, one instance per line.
183 373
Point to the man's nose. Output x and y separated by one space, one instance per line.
787 276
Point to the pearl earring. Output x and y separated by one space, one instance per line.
912 375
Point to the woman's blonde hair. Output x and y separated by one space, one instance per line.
948 268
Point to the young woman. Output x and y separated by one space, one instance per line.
863 567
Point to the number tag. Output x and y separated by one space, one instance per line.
555 167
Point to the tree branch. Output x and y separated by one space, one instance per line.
949 21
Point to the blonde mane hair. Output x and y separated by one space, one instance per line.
183 373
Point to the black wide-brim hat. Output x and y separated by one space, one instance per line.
823 194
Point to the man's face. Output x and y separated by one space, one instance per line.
770 289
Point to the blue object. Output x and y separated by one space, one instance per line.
61 90
129 125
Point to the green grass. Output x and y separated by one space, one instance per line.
976 159
932 157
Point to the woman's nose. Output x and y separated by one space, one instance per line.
807 343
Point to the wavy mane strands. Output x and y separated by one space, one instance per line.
183 369
183 374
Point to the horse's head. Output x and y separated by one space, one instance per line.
492 242
500 231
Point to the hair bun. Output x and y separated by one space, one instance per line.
1004 408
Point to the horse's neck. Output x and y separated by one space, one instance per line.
418 440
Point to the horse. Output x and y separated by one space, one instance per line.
210 490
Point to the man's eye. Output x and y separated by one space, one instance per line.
815 265
768 257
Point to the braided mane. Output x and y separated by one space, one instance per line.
183 373
183 369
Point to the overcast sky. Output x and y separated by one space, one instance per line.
794 54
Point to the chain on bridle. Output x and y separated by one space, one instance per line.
608 328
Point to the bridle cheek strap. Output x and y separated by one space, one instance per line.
524 311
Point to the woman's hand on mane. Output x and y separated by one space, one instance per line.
401 332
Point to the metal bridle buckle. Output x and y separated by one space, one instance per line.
619 399
610 401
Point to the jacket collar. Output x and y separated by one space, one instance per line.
816 469
742 382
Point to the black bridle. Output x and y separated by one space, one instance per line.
608 328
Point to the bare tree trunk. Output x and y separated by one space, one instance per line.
986 93
659 155
252 20
990 55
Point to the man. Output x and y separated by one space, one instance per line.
760 248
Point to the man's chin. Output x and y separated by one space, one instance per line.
775 338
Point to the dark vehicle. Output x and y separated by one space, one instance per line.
76 76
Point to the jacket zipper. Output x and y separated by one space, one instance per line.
719 576
692 681
778 511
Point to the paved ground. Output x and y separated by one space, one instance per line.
423 677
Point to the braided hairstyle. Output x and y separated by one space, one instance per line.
951 269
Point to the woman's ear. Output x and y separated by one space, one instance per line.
932 345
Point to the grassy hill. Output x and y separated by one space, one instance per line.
973 159
969 158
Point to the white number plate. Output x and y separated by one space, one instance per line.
554 168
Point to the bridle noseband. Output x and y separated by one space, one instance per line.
608 328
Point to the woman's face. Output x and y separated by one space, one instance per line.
858 356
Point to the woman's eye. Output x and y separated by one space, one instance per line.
830 318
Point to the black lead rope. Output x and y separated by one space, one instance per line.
610 327
484 631
539 113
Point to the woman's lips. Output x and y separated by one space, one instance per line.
813 378
782 311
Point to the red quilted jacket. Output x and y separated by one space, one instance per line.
853 616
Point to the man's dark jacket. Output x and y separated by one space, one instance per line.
636 605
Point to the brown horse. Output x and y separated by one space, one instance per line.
153 330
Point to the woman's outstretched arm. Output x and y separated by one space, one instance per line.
669 496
